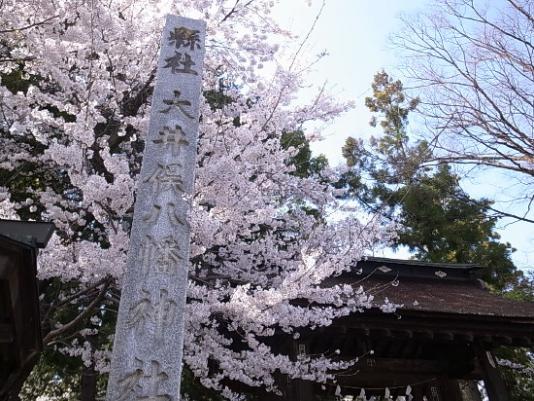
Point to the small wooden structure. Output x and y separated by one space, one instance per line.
435 347
20 326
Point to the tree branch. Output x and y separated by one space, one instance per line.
81 317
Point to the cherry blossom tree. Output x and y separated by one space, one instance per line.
76 80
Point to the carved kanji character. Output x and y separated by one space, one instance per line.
167 177
174 216
159 313
180 63
130 383
140 312
146 253
144 386
173 138
166 313
153 380
153 215
168 256
185 37
172 213
178 103
164 255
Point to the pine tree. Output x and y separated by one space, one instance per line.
438 221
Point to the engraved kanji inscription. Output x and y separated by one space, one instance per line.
168 256
141 312
185 37
144 385
162 256
159 313
147 355
165 313
167 177
180 63
171 212
178 103
152 382
172 138
174 216
130 383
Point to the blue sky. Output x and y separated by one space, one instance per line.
356 34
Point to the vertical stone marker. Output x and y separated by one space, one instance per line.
147 353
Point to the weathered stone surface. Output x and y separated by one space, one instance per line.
147 353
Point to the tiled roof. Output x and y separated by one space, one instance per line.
434 287
446 296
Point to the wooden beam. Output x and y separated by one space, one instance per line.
446 336
464 337
404 334
380 332
424 335
487 329
390 372
400 365
377 380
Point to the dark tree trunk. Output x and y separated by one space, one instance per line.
89 383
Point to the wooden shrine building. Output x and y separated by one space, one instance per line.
436 347
20 325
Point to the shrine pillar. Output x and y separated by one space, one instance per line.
492 377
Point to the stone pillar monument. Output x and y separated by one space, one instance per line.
147 353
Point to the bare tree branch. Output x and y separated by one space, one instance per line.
29 26
475 76
81 317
